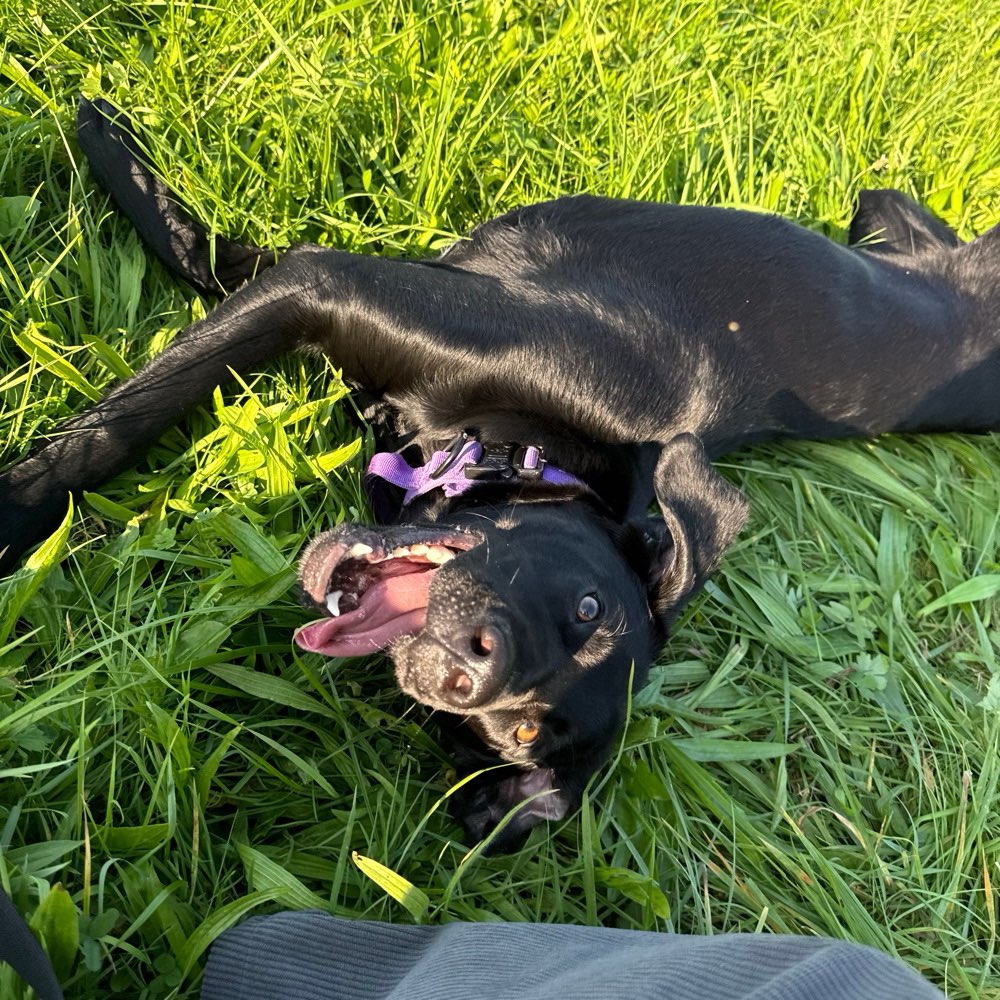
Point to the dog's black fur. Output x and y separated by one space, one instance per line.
632 342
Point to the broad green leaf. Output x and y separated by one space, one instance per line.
267 687
264 873
43 352
51 550
111 359
18 75
206 773
217 922
57 921
23 586
279 463
16 214
979 588
165 731
991 700
135 839
34 859
640 888
248 541
403 891
709 748
333 459
108 509
891 560
260 595
201 640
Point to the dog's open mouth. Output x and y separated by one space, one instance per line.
373 586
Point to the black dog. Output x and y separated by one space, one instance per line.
562 368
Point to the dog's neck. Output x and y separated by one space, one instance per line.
464 463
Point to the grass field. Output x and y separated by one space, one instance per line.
817 753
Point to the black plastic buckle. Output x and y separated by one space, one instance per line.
507 462
493 464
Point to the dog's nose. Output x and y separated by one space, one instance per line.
483 652
486 643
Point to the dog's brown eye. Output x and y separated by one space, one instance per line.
526 733
588 608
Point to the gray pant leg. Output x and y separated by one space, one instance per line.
310 955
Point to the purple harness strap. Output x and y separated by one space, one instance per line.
451 470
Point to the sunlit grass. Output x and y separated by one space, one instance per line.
815 755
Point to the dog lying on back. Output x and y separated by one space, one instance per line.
538 388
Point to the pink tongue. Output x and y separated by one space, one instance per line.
391 607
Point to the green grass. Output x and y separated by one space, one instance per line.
817 754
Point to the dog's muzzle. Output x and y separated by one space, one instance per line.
458 669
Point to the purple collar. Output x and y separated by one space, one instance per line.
466 462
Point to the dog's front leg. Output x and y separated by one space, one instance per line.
385 323
241 336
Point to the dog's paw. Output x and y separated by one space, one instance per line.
26 516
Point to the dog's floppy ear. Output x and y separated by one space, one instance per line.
702 515
483 802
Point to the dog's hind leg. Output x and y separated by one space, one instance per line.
212 265
888 222
890 228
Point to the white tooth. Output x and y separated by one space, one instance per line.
439 554
333 602
400 551
418 550
359 549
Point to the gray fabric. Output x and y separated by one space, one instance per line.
313 956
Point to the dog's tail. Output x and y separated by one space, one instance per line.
212 265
